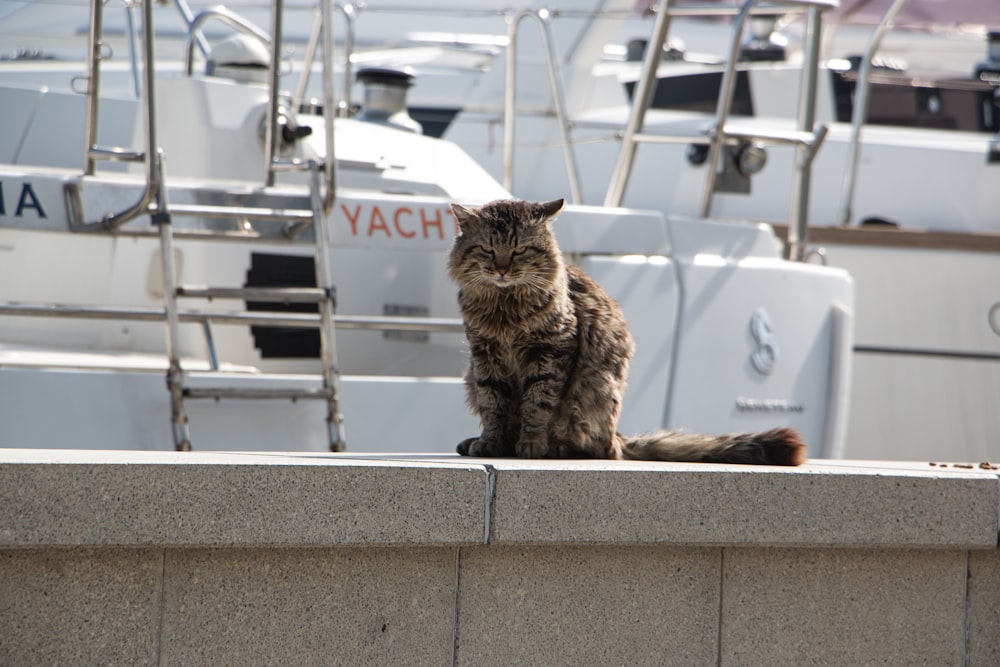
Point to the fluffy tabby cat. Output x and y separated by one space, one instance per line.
550 352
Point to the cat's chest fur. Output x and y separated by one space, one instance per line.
513 334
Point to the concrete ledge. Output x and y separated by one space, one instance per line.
821 504
263 559
86 498
81 498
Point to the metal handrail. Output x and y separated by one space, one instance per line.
133 55
262 318
806 114
770 7
93 84
188 16
862 88
329 196
150 157
798 223
271 136
726 91
228 17
807 136
558 96
324 280
641 98
350 13
153 202
273 43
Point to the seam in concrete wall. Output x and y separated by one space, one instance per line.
161 606
967 660
454 620
722 607
491 490
902 606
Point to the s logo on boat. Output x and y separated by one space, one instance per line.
765 353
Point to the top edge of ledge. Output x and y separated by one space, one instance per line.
256 458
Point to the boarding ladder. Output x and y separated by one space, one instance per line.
304 213
807 138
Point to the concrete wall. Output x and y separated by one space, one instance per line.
159 558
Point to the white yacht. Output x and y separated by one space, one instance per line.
204 265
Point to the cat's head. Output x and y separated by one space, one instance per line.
506 243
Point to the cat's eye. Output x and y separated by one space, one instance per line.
521 251
486 250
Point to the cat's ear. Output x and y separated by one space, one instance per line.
467 216
551 208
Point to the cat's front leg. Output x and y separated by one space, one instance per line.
490 397
541 392
533 442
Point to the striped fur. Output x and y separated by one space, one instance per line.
550 352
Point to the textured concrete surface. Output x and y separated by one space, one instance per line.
204 499
309 607
79 606
843 606
199 499
597 606
984 608
823 503
540 605
263 559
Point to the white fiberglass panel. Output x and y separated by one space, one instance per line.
647 290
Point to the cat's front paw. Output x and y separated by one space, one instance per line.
481 447
464 446
532 449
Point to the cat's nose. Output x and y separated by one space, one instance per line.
503 269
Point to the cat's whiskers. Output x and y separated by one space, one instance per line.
536 281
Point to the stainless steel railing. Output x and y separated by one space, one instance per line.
544 19
232 19
807 137
92 152
350 14
860 110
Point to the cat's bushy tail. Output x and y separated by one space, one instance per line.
779 446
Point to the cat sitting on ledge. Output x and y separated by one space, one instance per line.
550 352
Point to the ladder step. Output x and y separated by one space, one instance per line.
281 294
251 212
400 323
732 135
115 154
647 138
263 318
283 164
774 136
258 393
